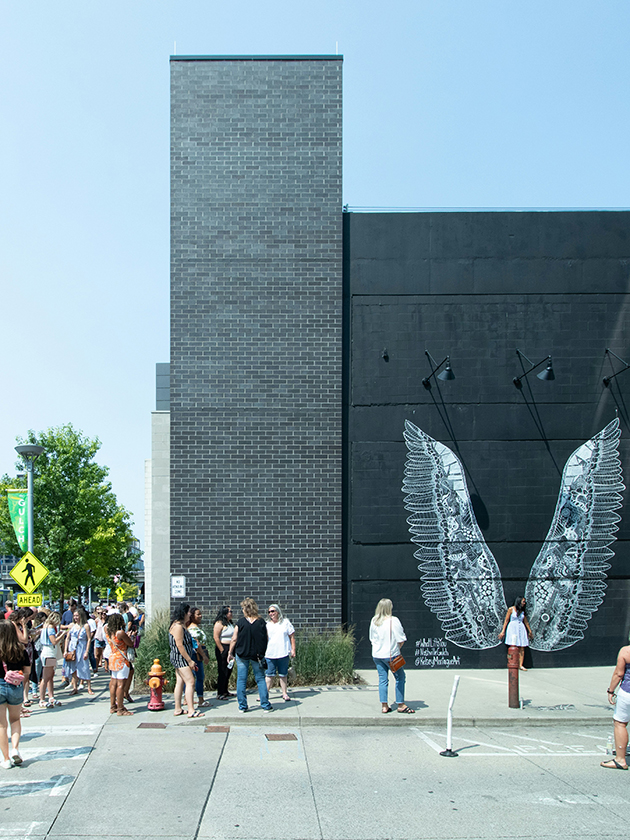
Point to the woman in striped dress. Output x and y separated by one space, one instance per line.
183 659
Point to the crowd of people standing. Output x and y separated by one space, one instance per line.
32 643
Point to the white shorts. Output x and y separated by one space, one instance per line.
120 675
622 706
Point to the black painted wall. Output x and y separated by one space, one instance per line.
477 286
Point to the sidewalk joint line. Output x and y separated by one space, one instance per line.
214 776
310 781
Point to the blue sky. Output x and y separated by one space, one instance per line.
449 103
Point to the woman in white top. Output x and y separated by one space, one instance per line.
387 637
222 633
50 651
281 645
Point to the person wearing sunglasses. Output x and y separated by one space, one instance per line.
280 646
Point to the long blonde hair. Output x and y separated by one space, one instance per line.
383 611
249 607
53 619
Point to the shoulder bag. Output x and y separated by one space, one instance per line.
395 662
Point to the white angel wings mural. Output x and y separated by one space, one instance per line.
462 583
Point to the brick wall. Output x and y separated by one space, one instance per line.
256 308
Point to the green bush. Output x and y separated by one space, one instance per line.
323 657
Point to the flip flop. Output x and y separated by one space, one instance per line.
196 715
406 711
607 765
385 711
178 714
124 713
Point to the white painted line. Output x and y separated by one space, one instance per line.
60 788
518 750
525 738
63 730
22 830
55 786
52 754
424 737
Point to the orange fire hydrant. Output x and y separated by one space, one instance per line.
513 663
156 682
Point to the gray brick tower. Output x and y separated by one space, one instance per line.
256 322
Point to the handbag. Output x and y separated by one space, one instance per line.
395 662
12 677
70 655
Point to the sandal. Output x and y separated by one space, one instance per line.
178 714
112 710
43 704
406 711
90 692
124 713
385 710
608 765
203 703
196 715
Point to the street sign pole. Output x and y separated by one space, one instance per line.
29 452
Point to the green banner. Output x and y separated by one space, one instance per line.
17 500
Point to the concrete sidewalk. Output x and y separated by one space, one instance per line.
549 696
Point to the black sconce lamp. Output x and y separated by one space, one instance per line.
606 379
445 375
546 375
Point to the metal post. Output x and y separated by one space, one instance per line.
29 452
29 485
448 752
513 669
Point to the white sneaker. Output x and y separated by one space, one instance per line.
7 764
16 758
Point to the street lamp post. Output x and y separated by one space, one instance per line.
29 452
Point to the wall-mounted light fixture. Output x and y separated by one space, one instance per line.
445 375
606 379
546 375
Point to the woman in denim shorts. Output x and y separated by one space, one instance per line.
280 647
13 657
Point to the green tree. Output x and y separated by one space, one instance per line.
81 533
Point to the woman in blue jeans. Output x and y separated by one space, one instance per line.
249 643
387 637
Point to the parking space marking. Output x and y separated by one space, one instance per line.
537 749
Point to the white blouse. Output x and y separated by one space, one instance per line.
386 638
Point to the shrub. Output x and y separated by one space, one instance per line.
324 657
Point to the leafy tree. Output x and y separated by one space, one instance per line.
81 533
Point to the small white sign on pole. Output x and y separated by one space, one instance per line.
178 586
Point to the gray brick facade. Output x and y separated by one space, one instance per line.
256 323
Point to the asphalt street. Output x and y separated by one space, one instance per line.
297 774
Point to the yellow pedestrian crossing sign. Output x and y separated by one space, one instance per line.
29 572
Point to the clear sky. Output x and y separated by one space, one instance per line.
447 103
